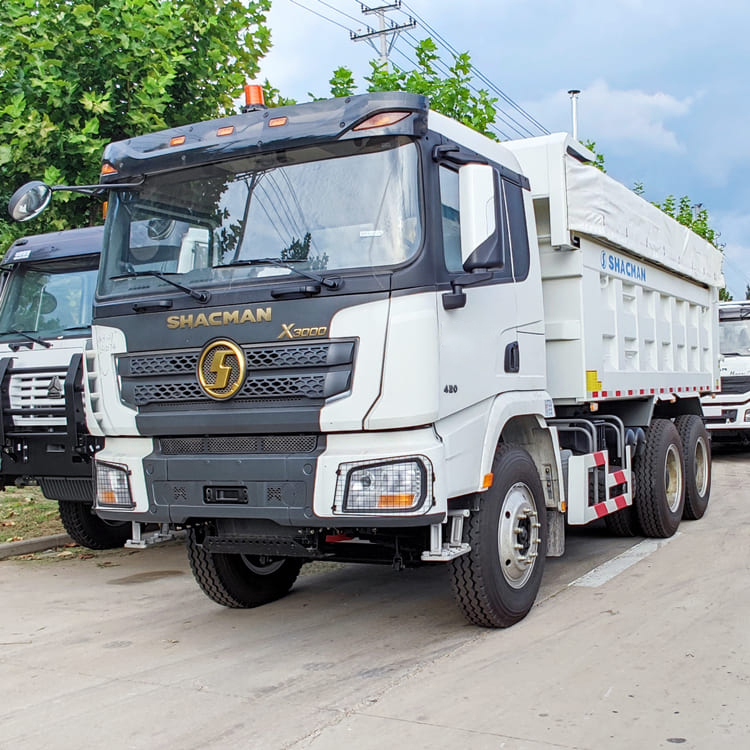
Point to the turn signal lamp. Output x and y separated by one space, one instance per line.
487 481
108 169
382 120
395 501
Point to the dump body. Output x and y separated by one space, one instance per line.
629 293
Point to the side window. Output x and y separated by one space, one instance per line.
519 238
450 220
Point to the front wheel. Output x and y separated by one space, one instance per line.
496 583
240 581
88 530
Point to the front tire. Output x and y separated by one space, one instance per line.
88 530
659 480
696 449
240 581
496 583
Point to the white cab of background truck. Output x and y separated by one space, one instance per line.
364 332
727 414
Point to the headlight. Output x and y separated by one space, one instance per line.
113 486
393 486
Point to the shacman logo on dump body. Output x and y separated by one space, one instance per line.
221 369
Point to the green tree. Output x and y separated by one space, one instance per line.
450 93
77 74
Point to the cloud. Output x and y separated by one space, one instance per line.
618 117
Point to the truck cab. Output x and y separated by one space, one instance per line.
45 325
727 413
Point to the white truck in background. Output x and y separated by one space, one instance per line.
363 332
727 414
45 325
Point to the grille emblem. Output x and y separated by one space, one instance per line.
55 388
221 369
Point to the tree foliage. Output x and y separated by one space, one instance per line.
695 217
450 94
77 74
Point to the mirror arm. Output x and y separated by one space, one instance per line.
457 298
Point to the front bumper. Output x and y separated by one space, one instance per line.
311 487
726 415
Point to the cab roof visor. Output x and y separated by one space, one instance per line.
306 124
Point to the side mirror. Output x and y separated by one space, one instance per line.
29 201
483 228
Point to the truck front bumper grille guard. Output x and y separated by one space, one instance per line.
276 372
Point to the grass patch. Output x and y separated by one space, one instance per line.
26 514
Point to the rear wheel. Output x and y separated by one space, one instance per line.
696 449
496 583
240 581
88 530
659 480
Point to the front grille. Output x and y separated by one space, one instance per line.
233 444
289 387
277 374
735 384
31 393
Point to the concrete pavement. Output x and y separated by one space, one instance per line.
124 650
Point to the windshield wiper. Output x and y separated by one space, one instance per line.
194 293
35 339
329 282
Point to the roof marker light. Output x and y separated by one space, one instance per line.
177 140
108 169
381 120
276 122
226 130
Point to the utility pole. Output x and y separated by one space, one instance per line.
391 29
574 110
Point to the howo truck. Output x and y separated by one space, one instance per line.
45 324
727 414
362 331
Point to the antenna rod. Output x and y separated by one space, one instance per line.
574 110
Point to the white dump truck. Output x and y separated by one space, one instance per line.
45 325
361 331
727 414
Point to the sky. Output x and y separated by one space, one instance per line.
665 84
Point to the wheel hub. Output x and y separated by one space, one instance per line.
518 535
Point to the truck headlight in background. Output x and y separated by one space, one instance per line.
113 486
392 486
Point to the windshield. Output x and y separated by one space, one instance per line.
324 208
48 299
734 337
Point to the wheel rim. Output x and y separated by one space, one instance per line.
262 565
518 535
673 478
701 466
